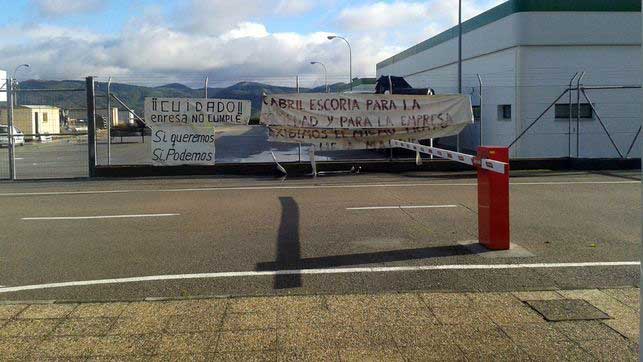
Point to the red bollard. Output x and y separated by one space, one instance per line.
493 200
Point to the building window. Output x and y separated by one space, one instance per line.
562 111
476 113
45 118
504 112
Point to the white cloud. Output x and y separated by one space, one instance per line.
471 8
237 46
382 15
164 53
294 7
412 17
401 24
217 16
246 30
61 8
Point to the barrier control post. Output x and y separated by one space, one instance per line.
492 164
493 199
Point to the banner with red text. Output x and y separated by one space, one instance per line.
362 121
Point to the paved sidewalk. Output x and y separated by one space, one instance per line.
590 325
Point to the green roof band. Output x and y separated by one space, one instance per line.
516 6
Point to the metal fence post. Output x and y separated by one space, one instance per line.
480 122
10 135
109 121
91 125
569 124
578 85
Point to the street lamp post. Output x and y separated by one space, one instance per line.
325 74
15 102
350 58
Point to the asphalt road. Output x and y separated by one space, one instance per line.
218 225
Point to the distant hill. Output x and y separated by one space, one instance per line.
176 86
134 96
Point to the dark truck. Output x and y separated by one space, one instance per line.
388 84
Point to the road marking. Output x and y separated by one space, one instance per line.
315 272
303 187
574 183
401 207
96 217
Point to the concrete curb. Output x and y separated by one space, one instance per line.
270 169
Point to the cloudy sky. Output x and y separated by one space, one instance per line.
158 41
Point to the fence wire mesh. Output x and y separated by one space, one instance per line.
502 110
50 132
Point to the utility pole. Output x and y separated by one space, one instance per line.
459 61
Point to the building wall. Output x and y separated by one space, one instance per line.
49 120
115 119
604 45
541 83
526 60
22 119
498 76
125 117
25 119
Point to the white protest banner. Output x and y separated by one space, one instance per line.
362 121
357 139
196 111
183 128
182 145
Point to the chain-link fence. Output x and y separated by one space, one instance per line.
49 131
129 140
549 112
552 120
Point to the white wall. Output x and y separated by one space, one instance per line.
498 76
487 39
545 72
527 60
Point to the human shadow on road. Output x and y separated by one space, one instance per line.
289 252
367 258
288 247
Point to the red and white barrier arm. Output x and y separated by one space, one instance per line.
487 164
493 189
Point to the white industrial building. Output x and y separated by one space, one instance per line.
526 52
